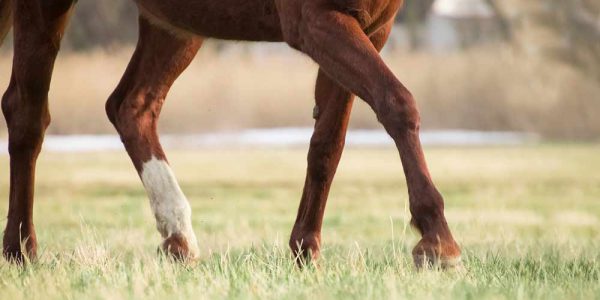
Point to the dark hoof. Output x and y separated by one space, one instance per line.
306 249
19 244
15 254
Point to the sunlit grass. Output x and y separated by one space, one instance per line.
528 219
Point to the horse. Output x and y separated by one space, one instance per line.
344 37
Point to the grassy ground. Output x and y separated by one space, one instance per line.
527 218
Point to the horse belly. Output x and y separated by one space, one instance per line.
252 20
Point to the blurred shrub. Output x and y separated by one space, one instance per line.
568 31
104 23
508 86
501 89
492 88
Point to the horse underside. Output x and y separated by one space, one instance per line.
251 20
343 41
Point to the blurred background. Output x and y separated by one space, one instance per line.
508 70
509 92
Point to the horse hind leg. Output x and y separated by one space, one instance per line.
25 107
338 44
332 113
134 108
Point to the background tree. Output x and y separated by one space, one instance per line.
103 24
413 16
568 31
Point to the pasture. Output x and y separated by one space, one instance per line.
527 217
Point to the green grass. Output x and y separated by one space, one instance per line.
528 219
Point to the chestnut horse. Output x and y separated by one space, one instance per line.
343 36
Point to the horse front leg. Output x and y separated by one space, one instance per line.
332 113
134 108
336 41
38 26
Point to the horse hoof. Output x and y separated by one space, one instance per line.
177 247
434 253
305 248
427 262
14 254
306 258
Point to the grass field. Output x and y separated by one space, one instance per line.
527 217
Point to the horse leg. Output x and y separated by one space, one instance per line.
338 44
5 18
332 112
134 109
38 26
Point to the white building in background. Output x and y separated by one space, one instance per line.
452 25
462 9
456 24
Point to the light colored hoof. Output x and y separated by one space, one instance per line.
426 262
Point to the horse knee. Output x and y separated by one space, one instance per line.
134 115
112 108
26 119
397 111
119 112
7 101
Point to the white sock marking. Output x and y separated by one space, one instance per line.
170 206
